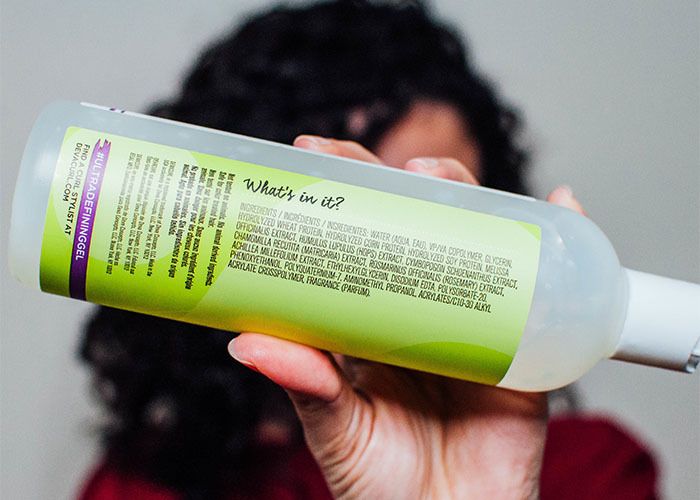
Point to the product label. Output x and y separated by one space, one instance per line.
244 247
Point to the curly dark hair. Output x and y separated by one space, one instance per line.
304 70
181 412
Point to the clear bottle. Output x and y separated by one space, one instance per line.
573 301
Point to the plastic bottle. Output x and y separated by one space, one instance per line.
178 221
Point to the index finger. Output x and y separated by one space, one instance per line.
345 149
445 168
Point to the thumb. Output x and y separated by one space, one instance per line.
322 396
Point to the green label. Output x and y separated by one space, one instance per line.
244 247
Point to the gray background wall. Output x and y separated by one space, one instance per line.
611 92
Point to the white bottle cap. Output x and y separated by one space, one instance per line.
662 327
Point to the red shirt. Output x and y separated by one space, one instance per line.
586 458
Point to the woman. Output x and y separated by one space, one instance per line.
385 84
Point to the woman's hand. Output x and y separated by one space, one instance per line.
382 432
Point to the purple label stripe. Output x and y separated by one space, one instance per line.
86 219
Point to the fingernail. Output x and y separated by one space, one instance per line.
237 357
566 190
312 141
427 163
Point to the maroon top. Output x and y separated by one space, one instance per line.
585 458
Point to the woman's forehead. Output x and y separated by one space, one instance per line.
430 128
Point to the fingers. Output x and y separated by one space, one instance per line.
322 396
564 197
346 149
445 168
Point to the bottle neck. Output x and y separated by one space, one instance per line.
662 326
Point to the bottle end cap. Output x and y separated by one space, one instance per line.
662 327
